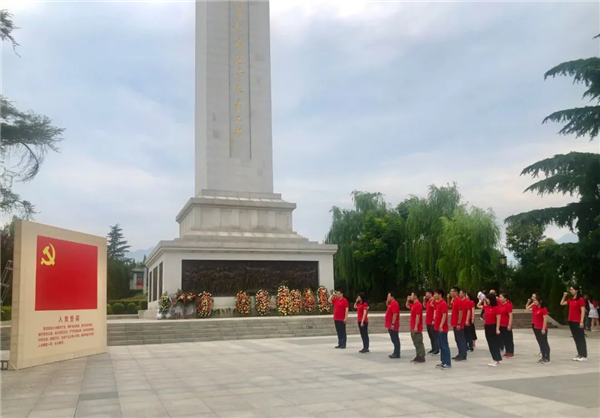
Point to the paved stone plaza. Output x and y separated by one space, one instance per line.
306 377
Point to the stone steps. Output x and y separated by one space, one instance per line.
132 332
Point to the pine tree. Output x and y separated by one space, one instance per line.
576 174
117 245
26 138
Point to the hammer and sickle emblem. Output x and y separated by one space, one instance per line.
49 255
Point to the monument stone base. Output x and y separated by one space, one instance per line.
232 241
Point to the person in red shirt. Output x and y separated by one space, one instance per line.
540 328
392 323
457 320
506 319
340 316
470 332
416 326
576 321
441 326
492 327
362 312
429 305
531 306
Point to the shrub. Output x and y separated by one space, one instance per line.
378 307
118 308
143 305
6 313
108 309
132 308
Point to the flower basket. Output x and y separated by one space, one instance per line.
309 304
178 304
205 305
242 303
323 296
164 306
283 301
190 303
263 303
296 302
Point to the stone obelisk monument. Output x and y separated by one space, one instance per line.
235 234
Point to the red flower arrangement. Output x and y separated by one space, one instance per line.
179 298
242 303
309 304
190 298
283 301
263 304
323 295
296 302
205 306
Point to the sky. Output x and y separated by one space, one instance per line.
386 97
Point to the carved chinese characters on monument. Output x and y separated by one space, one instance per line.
227 277
240 141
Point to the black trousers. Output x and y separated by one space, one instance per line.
579 337
542 340
470 335
493 341
507 340
395 340
364 334
340 328
435 343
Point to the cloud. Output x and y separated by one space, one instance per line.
377 96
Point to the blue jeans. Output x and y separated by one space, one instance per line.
461 342
395 340
340 327
444 348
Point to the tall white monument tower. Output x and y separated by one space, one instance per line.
235 234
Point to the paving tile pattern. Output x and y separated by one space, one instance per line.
306 378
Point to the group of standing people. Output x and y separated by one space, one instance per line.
432 315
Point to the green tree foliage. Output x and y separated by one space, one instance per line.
424 228
25 139
346 228
421 242
119 268
523 240
468 248
6 28
576 174
116 246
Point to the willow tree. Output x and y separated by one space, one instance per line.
424 228
576 174
346 228
468 248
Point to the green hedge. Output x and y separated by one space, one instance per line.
126 301
118 308
108 309
6 313
132 308
144 305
